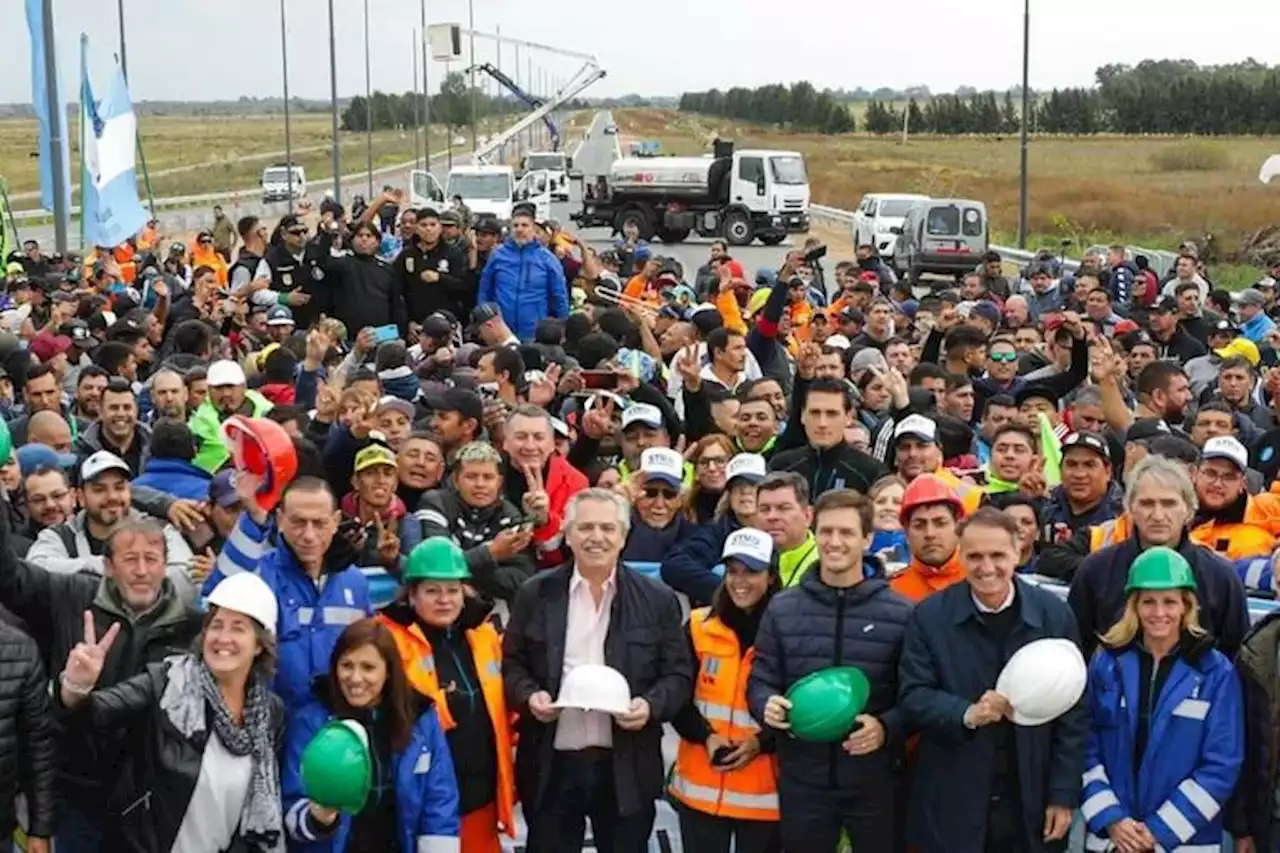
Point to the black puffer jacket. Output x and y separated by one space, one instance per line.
441 512
52 606
156 776
814 626
365 290
26 735
839 467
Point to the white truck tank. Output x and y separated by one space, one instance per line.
666 175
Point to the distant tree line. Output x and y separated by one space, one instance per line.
799 107
1156 96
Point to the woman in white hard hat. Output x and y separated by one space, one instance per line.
1167 739
198 769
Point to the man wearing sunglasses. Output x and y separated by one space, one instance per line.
297 278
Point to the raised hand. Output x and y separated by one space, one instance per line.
536 501
84 663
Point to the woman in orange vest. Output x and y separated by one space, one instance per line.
205 255
452 654
725 781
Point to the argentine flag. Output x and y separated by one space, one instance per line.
109 203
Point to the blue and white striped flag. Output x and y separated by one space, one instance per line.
109 201
40 103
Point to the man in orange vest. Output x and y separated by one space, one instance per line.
452 654
916 451
1239 526
931 513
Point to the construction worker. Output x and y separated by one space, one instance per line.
452 654
931 513
1241 527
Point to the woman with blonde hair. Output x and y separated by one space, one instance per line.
710 457
1167 739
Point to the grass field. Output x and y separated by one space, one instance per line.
1148 191
194 155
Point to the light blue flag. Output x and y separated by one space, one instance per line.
40 101
109 199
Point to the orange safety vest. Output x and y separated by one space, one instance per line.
124 255
720 695
1110 532
918 581
212 260
486 651
971 495
1254 536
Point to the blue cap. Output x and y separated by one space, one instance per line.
643 253
222 489
909 307
33 457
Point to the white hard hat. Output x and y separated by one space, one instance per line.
591 687
1043 680
245 592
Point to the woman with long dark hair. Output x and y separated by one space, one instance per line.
412 806
710 456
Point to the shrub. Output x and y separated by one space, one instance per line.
1190 156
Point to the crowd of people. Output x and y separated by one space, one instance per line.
518 456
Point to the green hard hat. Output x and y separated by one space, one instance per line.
1160 568
436 559
337 769
825 703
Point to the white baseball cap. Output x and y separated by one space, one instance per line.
224 373
101 462
641 413
747 465
1226 447
837 341
662 463
751 547
916 426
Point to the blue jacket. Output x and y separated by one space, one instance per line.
527 283
176 477
1257 328
693 566
426 789
1194 751
948 661
1121 282
811 627
310 619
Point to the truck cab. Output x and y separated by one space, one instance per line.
773 187
556 163
277 186
485 190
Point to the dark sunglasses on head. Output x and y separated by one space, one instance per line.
652 492
1009 357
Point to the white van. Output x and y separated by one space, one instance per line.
876 217
492 190
276 184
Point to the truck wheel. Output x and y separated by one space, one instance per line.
667 235
773 239
738 229
641 221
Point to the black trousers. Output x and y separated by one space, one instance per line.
813 817
581 787
704 833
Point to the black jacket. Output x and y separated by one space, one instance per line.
948 661
365 290
308 275
646 643
1097 593
52 606
442 512
453 290
28 757
1181 347
841 467
812 627
1252 808
156 776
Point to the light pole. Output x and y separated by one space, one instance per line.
1026 123
471 24
426 94
333 110
417 105
284 68
368 106
124 53
57 119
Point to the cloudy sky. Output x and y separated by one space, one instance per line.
209 49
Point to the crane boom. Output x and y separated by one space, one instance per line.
587 75
532 101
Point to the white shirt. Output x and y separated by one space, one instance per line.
586 627
217 801
1004 605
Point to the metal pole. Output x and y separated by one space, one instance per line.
519 143
417 105
497 63
57 116
531 86
1023 200
333 110
368 106
288 132
124 54
426 94
471 25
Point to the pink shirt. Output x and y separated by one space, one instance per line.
586 626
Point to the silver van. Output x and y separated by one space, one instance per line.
943 236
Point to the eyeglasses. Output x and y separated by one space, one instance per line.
655 492
707 462
1231 479
1007 357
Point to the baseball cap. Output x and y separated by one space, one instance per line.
484 312
1241 348
1251 297
487 225
1226 326
642 413
437 327
987 310
748 466
373 455
224 373
1226 447
643 253
837 341
101 462
1167 305
1145 429
916 426
524 208
397 404
33 457
222 490
1089 441
464 402
662 463
1037 392
450 217
869 358
751 547
280 315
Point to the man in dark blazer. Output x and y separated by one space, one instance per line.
575 764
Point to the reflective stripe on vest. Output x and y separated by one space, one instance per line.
720 695
330 615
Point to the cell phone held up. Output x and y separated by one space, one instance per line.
383 334
599 380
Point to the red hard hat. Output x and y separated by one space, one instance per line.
928 489
262 448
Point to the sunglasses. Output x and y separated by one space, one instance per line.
1006 357
654 492
298 232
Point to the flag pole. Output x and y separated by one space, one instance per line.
84 115
57 118
8 210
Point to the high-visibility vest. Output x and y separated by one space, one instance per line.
486 650
1109 532
720 695
1254 536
